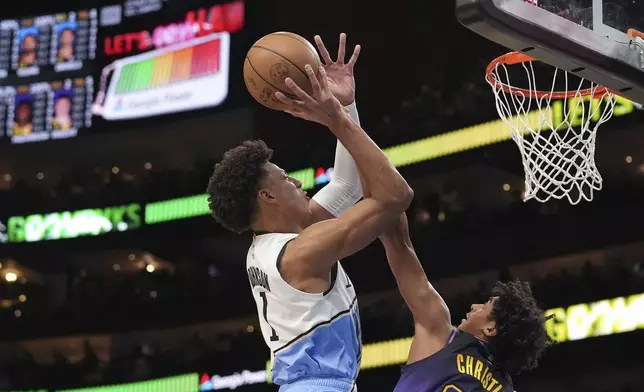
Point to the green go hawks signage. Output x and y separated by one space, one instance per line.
72 224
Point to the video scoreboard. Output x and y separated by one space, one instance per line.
80 71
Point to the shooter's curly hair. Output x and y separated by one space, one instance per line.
234 184
521 336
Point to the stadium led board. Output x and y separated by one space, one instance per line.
80 72
45 73
174 59
74 224
40 46
188 76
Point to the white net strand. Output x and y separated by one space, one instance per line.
557 150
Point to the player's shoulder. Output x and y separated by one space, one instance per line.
267 246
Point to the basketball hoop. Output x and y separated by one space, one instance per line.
556 138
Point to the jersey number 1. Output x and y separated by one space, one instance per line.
274 337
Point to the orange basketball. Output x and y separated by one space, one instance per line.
274 58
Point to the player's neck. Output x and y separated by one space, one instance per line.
477 334
275 224
481 337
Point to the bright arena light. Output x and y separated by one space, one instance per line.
11 277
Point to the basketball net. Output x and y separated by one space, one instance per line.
554 130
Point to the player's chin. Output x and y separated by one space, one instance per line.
306 203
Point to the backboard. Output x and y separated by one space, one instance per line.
599 40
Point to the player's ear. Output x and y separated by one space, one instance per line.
489 329
266 196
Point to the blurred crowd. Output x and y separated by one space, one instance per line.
78 302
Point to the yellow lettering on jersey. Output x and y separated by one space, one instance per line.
452 388
487 369
477 369
459 363
467 364
469 361
487 381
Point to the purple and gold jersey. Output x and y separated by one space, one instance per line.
465 364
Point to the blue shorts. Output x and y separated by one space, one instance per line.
319 385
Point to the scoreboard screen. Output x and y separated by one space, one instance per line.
46 110
54 43
164 57
79 72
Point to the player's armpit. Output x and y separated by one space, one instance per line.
312 254
426 343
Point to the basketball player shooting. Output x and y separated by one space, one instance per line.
497 339
305 301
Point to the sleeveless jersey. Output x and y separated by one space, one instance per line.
465 364
309 335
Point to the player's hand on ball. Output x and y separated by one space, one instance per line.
340 75
321 106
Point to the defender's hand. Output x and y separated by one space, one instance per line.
321 106
340 76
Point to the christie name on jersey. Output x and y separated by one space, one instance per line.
258 277
467 364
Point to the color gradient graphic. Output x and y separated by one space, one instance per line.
187 76
187 63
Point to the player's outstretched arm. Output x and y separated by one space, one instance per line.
432 323
344 189
318 247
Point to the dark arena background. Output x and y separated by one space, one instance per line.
113 276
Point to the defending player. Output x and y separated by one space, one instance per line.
306 303
499 338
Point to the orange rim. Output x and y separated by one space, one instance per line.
635 33
513 58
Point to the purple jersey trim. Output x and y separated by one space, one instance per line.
452 335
